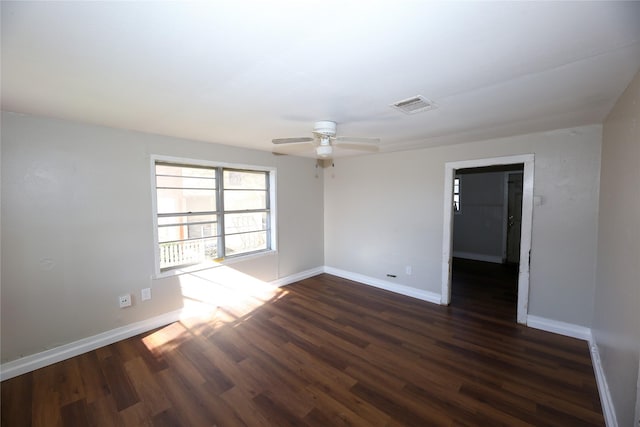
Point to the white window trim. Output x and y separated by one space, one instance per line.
157 273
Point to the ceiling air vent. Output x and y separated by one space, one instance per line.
414 105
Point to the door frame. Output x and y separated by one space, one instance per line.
505 216
450 169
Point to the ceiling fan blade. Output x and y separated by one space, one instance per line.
292 140
292 149
357 140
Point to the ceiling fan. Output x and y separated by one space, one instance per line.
325 140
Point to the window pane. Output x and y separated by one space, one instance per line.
185 182
237 200
240 223
178 170
189 252
183 232
234 179
247 242
178 200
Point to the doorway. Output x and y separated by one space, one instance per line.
524 247
486 240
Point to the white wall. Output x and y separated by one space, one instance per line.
77 227
478 230
385 211
616 320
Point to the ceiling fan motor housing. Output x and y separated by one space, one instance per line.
325 127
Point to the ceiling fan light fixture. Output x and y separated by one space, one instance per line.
324 151
324 137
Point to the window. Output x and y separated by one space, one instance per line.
456 195
208 212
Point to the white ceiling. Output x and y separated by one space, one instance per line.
241 73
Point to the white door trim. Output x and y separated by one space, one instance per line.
527 217
507 176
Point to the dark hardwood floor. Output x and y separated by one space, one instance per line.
322 352
484 288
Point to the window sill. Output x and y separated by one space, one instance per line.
212 264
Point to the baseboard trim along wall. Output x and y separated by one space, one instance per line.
297 277
48 357
558 327
386 285
67 351
583 333
603 386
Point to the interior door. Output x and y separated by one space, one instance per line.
514 213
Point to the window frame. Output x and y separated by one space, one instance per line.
220 212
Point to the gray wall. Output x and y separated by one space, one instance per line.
385 211
77 227
616 319
478 230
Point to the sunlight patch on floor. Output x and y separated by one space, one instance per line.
165 339
212 299
239 293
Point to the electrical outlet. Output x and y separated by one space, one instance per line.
145 294
408 270
125 300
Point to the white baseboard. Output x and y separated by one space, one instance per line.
478 257
48 357
386 285
583 333
66 351
558 327
603 387
297 277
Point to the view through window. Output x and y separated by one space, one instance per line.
206 213
456 194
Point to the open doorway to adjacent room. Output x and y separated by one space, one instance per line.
487 236
486 240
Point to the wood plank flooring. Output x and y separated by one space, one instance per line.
485 289
322 352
